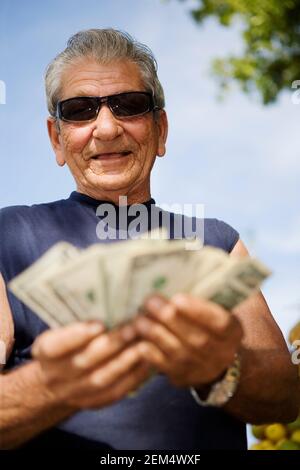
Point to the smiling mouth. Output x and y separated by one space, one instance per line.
111 155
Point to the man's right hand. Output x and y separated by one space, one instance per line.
84 366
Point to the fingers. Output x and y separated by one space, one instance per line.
179 343
124 362
203 313
103 347
73 365
207 314
120 389
103 377
158 333
174 339
155 356
54 344
83 365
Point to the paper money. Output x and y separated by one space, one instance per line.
233 282
27 285
110 282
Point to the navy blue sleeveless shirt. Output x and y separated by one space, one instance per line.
160 416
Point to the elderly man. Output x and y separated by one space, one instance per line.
69 387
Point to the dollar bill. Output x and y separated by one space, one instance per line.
24 286
110 282
232 283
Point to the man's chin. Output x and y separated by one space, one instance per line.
110 182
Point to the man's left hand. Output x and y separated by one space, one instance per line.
191 340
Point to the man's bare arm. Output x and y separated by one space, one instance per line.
6 324
193 341
76 367
26 406
268 389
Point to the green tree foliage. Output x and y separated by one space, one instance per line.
271 37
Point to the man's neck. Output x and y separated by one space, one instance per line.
119 197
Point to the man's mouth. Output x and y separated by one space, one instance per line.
111 155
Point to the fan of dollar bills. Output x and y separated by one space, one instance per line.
109 282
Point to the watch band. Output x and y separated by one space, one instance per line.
222 391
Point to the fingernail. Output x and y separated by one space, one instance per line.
142 325
179 299
79 361
95 328
155 302
128 333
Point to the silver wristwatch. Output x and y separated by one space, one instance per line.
222 391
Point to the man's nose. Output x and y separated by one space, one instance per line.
106 126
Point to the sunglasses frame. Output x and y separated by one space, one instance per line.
105 99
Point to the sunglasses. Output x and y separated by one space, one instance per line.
122 105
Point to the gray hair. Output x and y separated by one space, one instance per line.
104 45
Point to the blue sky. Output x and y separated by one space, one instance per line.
238 158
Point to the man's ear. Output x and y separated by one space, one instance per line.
162 123
54 135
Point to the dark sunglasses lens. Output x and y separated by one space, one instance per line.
79 109
130 104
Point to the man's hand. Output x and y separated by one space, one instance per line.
84 366
191 340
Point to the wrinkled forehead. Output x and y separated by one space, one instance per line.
87 76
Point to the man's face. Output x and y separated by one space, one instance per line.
108 156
